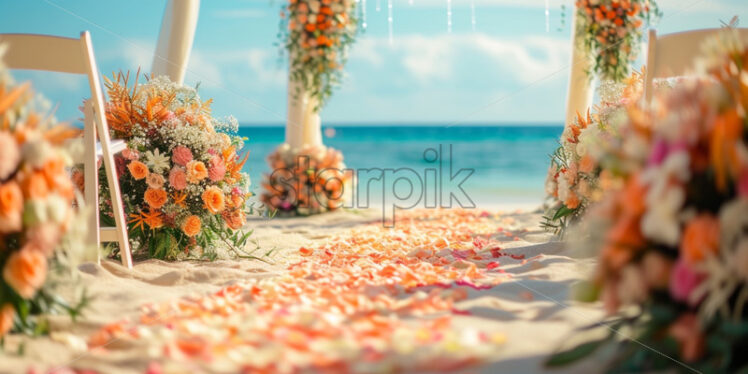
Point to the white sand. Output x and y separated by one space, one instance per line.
532 309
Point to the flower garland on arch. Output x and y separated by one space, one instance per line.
610 30
41 233
673 241
317 34
181 175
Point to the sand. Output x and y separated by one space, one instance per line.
532 309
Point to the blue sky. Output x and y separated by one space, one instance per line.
509 70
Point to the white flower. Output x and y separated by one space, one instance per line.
660 223
156 161
36 152
57 208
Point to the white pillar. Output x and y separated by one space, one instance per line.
303 123
579 96
175 39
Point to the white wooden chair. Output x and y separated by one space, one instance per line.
75 56
674 55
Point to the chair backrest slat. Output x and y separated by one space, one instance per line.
43 52
674 55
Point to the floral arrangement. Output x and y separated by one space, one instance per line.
673 242
610 30
181 176
310 181
576 177
317 34
37 218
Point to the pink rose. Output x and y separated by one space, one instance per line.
178 178
217 169
181 155
130 154
683 281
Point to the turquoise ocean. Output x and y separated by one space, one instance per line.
509 162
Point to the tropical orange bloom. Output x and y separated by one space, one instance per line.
700 238
724 156
25 271
11 198
196 171
191 225
53 169
35 186
214 199
155 198
6 318
138 170
153 219
179 198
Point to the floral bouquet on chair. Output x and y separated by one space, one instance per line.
578 175
181 177
37 218
673 242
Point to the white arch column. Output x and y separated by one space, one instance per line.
581 91
303 122
175 39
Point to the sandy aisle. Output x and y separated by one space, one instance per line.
531 309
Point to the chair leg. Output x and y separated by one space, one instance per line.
91 175
114 191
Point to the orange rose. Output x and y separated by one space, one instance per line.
138 170
155 198
586 164
700 238
191 225
213 199
196 171
6 318
25 271
234 219
11 207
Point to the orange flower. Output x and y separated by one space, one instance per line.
572 202
214 199
35 186
234 219
191 225
700 238
155 198
196 171
138 170
6 318
586 164
155 220
179 198
11 206
25 271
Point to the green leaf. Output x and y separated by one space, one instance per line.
562 211
575 354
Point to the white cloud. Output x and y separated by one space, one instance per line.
427 58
